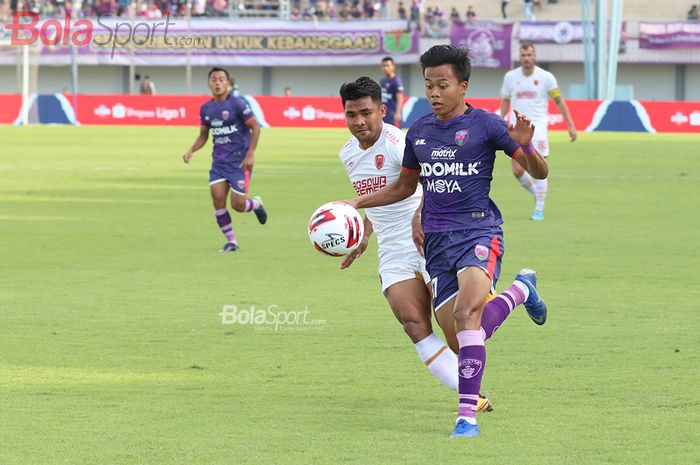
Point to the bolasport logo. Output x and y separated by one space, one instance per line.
103 33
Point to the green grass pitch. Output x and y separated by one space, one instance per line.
113 351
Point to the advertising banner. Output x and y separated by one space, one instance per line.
554 32
208 42
488 42
678 34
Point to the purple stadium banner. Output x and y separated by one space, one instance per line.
554 32
488 42
678 34
211 42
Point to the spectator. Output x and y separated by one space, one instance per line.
287 91
528 10
693 13
199 8
154 12
471 14
402 11
504 4
415 16
454 16
147 86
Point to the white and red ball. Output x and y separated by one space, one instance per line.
336 229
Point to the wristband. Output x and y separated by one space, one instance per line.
529 149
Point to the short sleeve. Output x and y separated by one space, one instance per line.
410 161
499 137
505 87
244 109
399 84
203 120
551 83
396 150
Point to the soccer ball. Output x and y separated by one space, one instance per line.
336 229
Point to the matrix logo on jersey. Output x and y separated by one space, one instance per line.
443 153
369 185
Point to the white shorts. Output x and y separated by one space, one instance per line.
540 141
401 265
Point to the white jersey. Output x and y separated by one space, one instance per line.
530 96
373 169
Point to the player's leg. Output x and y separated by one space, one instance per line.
410 301
524 178
240 180
219 191
541 185
474 285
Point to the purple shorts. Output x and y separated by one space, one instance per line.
237 178
449 253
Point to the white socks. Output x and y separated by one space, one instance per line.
536 187
528 182
440 359
540 193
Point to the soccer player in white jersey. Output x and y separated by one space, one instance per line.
528 88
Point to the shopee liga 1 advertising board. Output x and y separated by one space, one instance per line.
327 112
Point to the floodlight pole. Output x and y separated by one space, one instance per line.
25 85
188 65
588 64
614 47
601 36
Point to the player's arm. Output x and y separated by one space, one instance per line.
369 229
564 110
527 156
505 106
401 189
198 143
399 108
417 229
248 161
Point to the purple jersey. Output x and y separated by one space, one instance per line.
226 121
455 159
390 89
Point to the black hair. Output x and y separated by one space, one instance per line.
448 55
361 87
215 69
388 59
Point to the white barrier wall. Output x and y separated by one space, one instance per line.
650 81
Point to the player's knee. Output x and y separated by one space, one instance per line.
465 314
417 330
238 203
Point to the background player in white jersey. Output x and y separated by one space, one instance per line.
528 88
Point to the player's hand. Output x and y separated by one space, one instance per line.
247 163
187 157
523 129
418 236
349 258
352 203
572 133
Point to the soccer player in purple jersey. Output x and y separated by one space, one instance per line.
392 92
452 153
235 132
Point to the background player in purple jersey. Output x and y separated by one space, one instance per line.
452 153
235 133
392 92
